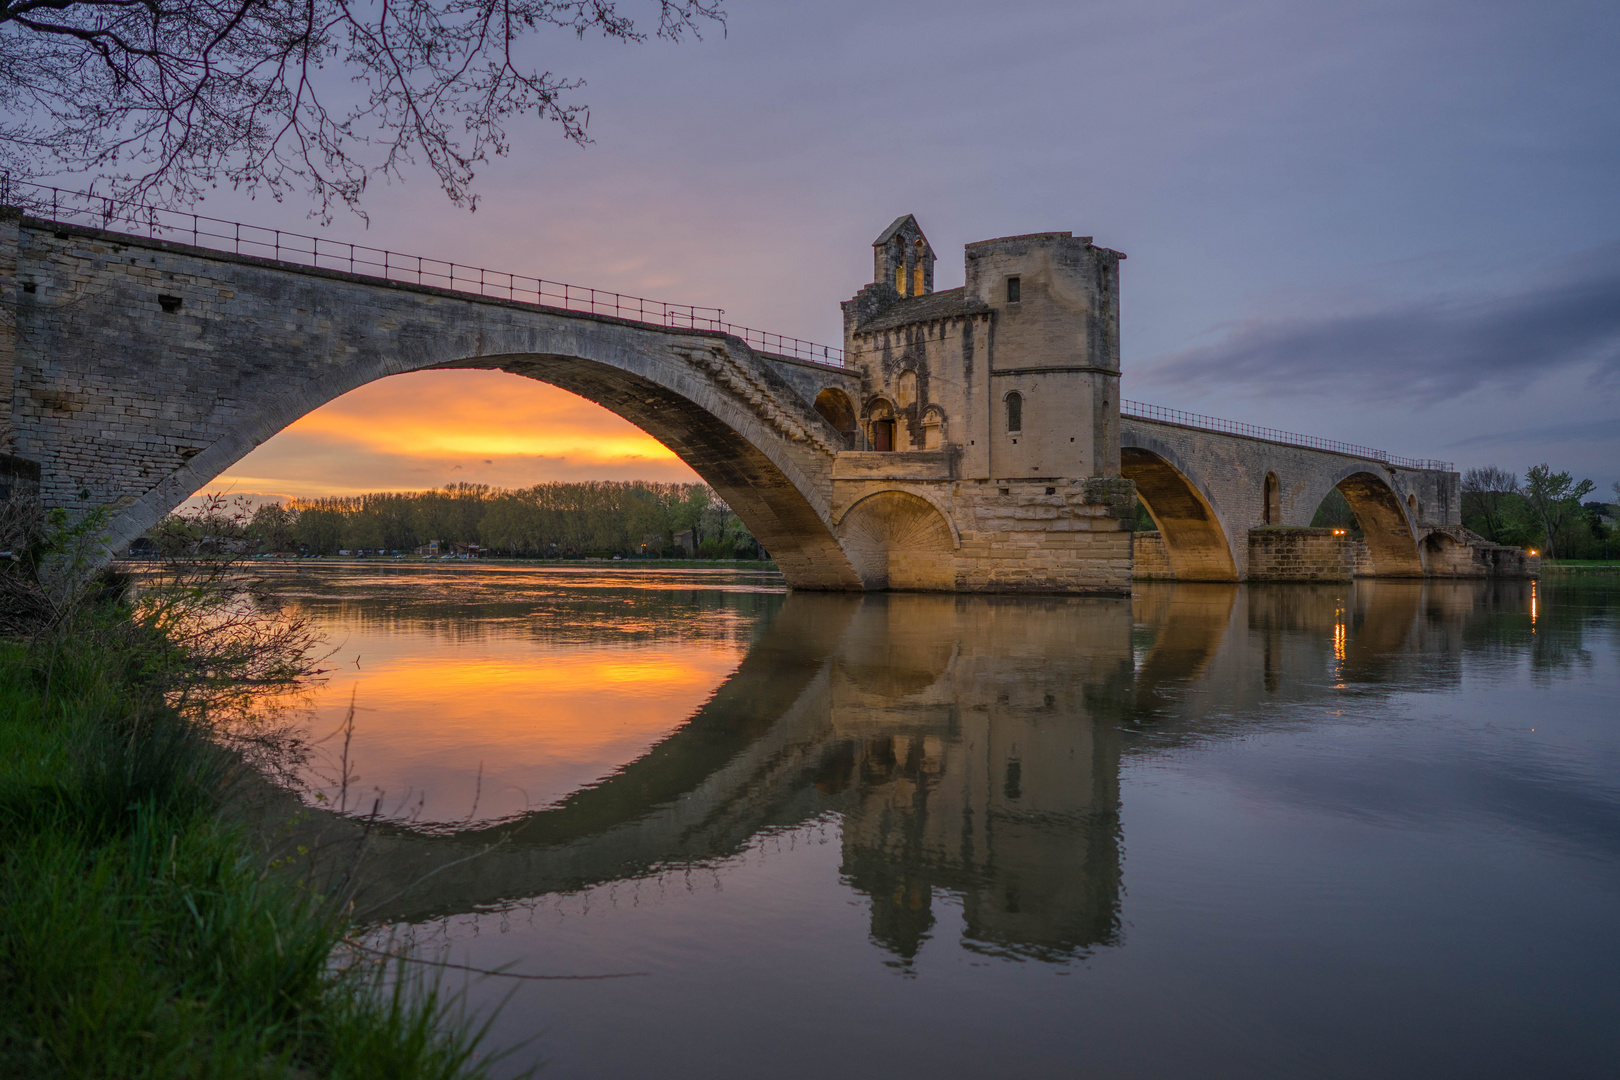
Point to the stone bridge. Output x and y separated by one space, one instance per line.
971 441
144 369
1238 507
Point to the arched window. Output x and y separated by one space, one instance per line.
1271 513
905 388
1015 412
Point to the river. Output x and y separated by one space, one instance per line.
1213 831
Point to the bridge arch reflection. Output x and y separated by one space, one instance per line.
970 747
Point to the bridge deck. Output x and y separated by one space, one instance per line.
61 206
1137 410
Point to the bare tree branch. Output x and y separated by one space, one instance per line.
165 100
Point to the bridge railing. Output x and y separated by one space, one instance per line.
240 238
1142 411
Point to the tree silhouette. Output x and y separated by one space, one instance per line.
166 99
1485 496
1553 498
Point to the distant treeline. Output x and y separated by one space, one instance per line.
1547 510
556 520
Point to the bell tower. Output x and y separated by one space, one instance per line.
902 259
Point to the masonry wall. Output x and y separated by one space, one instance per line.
1279 553
1460 553
1061 536
1152 560
1361 560
1065 537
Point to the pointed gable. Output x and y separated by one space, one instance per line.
903 259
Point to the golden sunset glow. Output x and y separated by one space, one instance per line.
432 428
502 722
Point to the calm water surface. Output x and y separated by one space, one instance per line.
1213 831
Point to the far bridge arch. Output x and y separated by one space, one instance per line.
1196 541
1386 521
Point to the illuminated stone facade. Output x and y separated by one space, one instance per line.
982 435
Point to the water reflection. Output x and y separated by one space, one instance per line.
484 692
966 756
1363 830
970 748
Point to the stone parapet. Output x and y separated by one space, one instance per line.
900 465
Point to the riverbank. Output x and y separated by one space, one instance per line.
1580 566
141 932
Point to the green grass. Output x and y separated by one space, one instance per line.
141 936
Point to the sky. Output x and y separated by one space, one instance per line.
1395 224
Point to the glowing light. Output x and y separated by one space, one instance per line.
1338 532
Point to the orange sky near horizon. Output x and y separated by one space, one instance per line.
430 428
498 724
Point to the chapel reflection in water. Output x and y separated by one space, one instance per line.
971 747
967 758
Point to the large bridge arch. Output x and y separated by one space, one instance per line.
1196 540
773 492
1386 521
215 353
